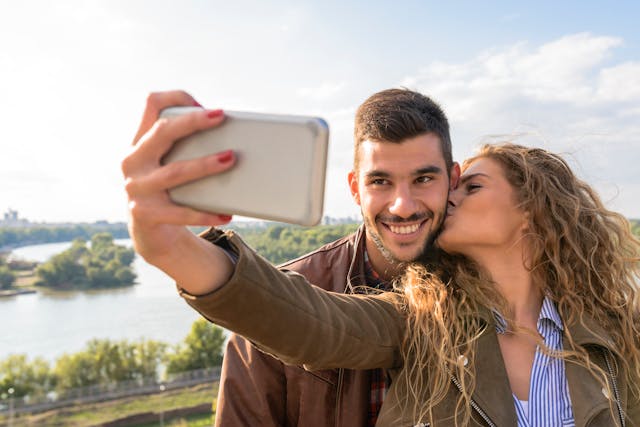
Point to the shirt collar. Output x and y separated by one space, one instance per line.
373 278
547 312
550 312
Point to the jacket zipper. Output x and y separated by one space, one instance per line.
474 405
339 395
614 385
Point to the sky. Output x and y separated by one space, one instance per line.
74 75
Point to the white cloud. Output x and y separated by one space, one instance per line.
567 95
620 83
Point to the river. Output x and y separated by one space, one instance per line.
48 323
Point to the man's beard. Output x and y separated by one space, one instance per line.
428 247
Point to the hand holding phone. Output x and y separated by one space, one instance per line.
280 166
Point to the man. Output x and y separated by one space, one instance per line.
401 177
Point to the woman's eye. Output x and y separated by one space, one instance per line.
472 187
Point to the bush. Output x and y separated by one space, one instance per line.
7 277
103 265
202 348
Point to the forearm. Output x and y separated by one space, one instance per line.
198 266
302 324
157 225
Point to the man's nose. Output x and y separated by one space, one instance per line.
403 204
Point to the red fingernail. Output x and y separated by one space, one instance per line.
225 157
225 218
214 113
197 104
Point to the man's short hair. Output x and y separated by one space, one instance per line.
395 115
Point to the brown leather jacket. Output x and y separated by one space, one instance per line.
257 389
327 330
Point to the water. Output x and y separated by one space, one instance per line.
48 324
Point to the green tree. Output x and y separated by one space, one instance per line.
202 348
14 237
64 270
104 361
25 377
279 243
102 265
7 277
75 370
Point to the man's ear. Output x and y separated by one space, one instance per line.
353 186
454 176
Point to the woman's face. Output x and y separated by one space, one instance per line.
483 215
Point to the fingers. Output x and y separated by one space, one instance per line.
172 214
156 102
147 181
177 173
154 144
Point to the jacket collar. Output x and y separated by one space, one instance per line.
492 390
356 276
587 396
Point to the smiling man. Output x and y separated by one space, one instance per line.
402 173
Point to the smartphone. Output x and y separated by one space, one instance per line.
280 170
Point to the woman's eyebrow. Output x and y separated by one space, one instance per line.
466 178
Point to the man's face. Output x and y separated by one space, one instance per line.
402 190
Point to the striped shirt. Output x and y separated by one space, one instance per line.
549 403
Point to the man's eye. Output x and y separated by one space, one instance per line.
423 179
378 181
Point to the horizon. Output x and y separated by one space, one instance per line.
76 75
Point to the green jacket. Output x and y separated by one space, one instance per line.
304 325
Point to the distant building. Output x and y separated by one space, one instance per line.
10 215
11 219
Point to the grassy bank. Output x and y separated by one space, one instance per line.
99 413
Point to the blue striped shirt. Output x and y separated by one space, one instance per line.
549 402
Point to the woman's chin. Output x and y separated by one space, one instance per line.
445 242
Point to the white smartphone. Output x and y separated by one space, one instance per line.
280 170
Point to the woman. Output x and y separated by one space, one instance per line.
534 237
532 318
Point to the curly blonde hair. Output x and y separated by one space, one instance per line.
582 255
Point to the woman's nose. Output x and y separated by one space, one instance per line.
454 197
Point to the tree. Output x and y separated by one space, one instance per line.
102 265
64 270
7 277
14 237
202 348
75 370
26 378
106 362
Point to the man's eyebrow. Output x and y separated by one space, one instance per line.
421 171
428 170
466 178
377 174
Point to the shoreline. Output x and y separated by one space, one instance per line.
13 292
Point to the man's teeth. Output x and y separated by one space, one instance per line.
405 229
